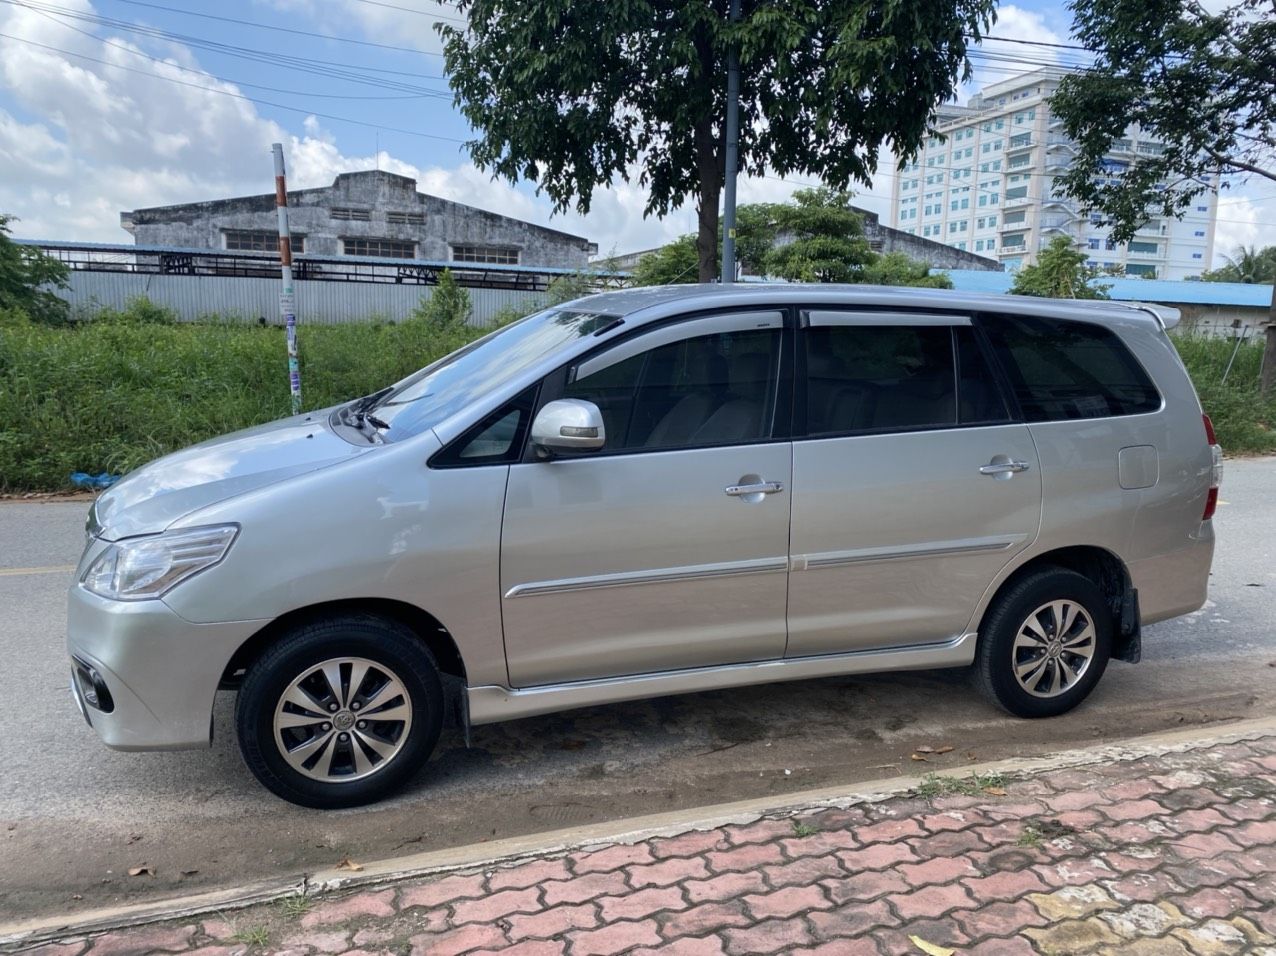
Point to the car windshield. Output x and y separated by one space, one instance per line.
438 391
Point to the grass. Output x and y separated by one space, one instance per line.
252 936
112 396
801 829
935 785
294 906
113 393
1245 423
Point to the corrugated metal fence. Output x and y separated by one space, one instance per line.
240 297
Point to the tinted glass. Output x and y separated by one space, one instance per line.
496 439
710 390
979 398
1064 370
426 398
877 378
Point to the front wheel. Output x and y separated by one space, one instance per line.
340 713
1044 644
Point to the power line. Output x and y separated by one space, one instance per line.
238 96
423 13
273 89
270 26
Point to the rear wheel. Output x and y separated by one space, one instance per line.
1044 644
340 713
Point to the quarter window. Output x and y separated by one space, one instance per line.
712 389
1068 370
379 248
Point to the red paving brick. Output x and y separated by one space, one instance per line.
1070 860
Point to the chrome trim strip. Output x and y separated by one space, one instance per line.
492 703
835 559
657 576
825 317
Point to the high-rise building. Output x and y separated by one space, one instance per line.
989 187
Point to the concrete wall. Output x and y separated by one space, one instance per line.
200 225
936 254
248 299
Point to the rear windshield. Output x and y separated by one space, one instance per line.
1065 370
438 391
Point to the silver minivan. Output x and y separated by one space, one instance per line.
656 491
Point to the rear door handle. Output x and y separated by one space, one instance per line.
759 488
1003 469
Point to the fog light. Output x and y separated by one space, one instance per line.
92 687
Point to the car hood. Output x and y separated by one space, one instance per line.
153 497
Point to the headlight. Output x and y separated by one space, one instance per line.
142 568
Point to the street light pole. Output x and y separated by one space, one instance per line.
733 152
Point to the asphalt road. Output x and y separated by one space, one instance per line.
74 816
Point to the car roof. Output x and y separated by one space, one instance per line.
649 303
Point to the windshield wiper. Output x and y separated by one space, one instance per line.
358 413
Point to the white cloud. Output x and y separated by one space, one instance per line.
1246 216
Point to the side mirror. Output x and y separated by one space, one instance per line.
568 425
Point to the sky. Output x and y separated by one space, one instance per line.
112 105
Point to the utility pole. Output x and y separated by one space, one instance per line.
733 152
287 298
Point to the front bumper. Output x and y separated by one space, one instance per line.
161 670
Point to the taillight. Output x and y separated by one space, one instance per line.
1216 469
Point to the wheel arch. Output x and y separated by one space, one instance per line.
1110 575
428 629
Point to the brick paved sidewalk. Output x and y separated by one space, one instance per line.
1163 855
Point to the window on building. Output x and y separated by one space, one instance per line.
347 214
1196 255
253 240
1202 208
1093 242
496 255
1145 247
1199 232
1014 217
405 218
378 248
1069 370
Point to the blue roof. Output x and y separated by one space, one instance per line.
1167 291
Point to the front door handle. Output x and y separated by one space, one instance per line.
757 488
1003 467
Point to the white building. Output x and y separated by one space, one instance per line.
989 188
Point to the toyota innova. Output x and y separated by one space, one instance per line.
650 492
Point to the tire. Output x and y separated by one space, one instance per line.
314 748
1057 674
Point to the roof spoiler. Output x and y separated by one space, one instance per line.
1166 315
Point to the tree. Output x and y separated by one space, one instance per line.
825 239
896 268
1201 82
1059 273
449 304
673 263
817 238
1250 264
27 277
573 95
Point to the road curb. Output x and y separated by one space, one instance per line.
512 850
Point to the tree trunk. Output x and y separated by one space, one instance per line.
707 236
707 157
1267 382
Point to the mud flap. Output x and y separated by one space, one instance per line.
1128 643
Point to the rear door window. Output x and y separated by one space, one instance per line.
1061 369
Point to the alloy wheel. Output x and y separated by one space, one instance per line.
1053 648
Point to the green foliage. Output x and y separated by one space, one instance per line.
1250 264
818 237
448 306
1201 81
937 785
673 263
825 239
1060 272
896 268
27 278
1244 421
138 311
575 95
565 288
111 396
